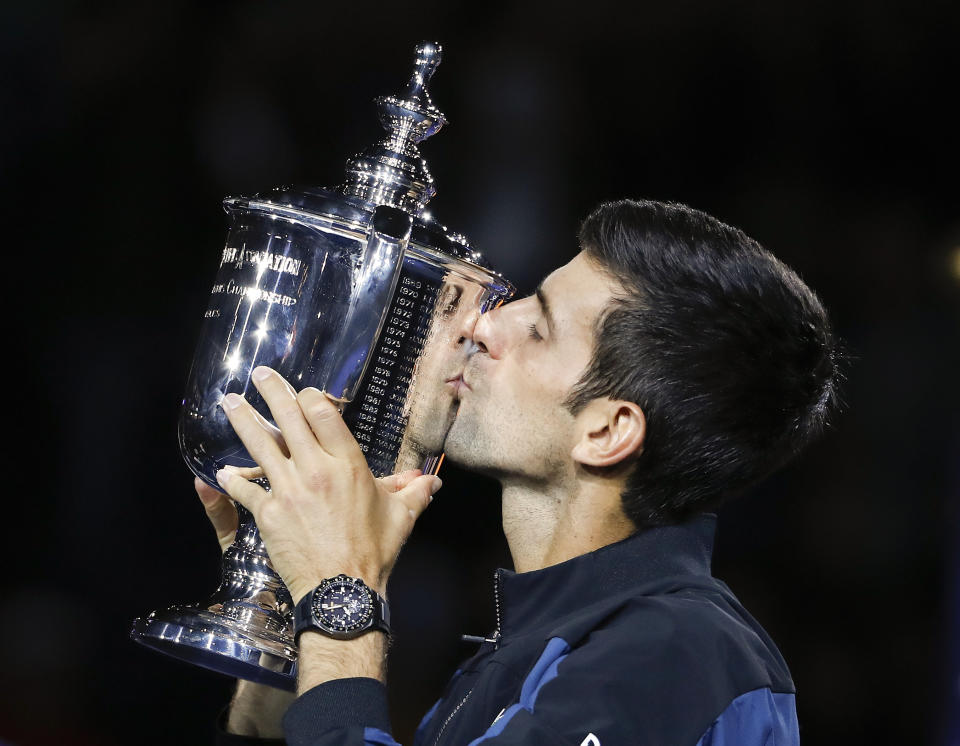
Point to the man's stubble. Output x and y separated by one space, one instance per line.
500 442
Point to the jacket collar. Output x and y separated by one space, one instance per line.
528 600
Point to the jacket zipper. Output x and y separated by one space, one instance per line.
471 638
495 639
496 601
450 717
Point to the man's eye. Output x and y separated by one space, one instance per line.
534 333
450 300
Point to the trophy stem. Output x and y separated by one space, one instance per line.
244 629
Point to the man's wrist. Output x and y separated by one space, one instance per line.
324 659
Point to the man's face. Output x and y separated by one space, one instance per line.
511 419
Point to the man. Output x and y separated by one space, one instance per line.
670 364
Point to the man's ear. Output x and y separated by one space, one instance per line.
610 432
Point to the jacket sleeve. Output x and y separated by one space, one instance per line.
345 712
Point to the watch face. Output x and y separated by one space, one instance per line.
343 604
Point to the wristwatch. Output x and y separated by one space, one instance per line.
343 608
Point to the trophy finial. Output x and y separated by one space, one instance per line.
429 56
393 172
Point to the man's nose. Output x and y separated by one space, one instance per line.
465 326
484 332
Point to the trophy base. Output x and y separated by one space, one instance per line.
217 642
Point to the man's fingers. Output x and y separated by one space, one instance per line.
260 442
281 398
274 433
417 495
331 431
208 495
248 494
395 482
247 472
220 511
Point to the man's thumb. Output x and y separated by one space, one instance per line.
220 511
419 493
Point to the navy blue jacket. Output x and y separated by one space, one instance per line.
635 643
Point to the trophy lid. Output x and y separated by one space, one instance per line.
393 172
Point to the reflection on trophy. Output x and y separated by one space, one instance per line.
431 406
357 292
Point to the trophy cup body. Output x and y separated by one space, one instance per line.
353 292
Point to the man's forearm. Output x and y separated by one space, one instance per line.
324 659
257 710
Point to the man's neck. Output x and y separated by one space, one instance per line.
548 525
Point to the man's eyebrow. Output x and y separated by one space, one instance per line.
544 305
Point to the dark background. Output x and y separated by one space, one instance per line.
827 130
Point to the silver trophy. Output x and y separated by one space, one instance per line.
355 291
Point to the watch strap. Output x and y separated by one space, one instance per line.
303 614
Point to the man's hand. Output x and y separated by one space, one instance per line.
257 710
222 512
220 509
325 512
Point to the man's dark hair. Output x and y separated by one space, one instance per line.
729 354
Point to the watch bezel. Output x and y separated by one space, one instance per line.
324 620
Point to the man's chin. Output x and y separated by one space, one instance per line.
470 461
460 445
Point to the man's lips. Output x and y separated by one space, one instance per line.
458 385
